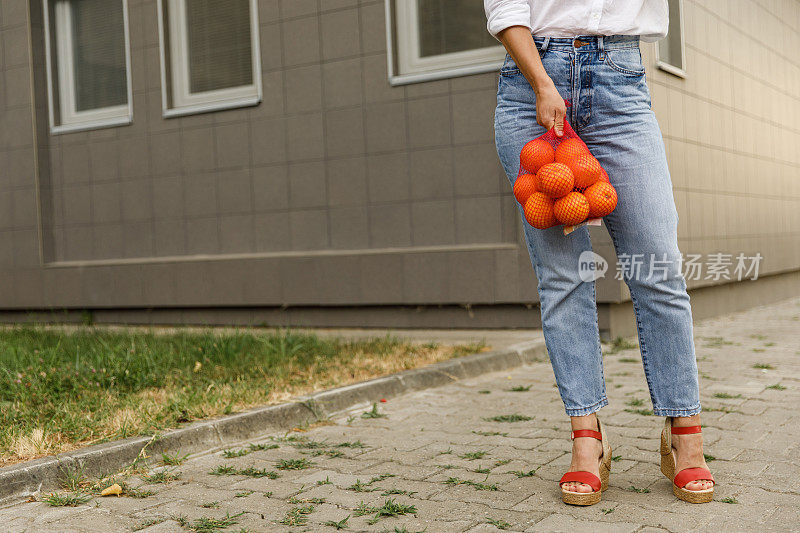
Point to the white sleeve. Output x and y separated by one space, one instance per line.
501 14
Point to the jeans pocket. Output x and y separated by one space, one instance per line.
626 61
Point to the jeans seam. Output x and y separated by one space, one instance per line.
642 346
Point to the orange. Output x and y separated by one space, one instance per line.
555 180
536 154
524 187
604 176
568 150
539 211
571 209
586 170
602 198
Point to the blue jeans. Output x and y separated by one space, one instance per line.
604 81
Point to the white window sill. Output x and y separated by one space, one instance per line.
209 107
672 69
91 125
467 70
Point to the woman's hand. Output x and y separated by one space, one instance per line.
550 107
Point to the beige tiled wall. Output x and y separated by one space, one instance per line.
339 189
732 129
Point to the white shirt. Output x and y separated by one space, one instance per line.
570 18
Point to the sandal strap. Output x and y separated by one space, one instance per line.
692 474
582 477
687 430
586 433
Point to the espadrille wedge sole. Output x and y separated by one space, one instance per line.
599 484
686 475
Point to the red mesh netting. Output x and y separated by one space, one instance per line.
561 182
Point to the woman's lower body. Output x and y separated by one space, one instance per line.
609 110
603 81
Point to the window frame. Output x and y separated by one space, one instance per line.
72 120
668 67
404 62
178 79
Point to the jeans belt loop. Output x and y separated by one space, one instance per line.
545 44
601 46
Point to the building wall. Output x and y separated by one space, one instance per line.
731 130
341 190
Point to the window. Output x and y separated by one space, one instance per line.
441 38
669 51
210 56
88 63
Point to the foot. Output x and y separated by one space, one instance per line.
586 453
688 451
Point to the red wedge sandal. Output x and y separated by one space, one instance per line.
687 475
598 484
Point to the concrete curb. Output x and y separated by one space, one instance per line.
21 480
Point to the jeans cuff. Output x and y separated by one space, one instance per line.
583 411
689 411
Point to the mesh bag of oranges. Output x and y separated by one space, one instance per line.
560 182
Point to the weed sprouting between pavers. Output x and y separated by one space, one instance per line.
66 500
294 464
472 456
341 524
173 459
297 516
228 470
499 524
389 508
208 525
478 486
509 418
162 476
373 413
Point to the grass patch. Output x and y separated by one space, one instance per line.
638 490
708 457
776 386
520 388
628 360
509 418
137 381
728 500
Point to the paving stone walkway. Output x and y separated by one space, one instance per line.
442 459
